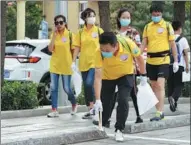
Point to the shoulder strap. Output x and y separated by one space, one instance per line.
70 37
178 39
167 27
80 33
124 43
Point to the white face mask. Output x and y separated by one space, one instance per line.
91 20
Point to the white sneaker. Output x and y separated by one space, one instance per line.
74 110
119 136
53 114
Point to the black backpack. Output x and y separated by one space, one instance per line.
179 54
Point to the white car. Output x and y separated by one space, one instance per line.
28 60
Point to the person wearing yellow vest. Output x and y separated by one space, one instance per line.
86 44
60 64
114 67
157 36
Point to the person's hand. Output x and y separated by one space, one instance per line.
97 107
143 80
73 66
175 67
187 69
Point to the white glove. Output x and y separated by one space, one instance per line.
73 66
97 107
143 80
175 67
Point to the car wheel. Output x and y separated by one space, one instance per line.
44 92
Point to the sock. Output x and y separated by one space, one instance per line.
54 109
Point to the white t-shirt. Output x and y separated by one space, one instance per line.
183 44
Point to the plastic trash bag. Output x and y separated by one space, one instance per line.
146 98
77 82
185 76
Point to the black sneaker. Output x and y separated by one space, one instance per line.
172 104
87 116
139 120
107 124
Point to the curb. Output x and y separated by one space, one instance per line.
62 110
38 112
71 137
169 122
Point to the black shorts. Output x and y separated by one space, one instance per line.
157 71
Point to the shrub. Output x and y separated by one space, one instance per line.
81 97
19 95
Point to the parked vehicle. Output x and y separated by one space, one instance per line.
28 60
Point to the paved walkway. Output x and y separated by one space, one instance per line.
34 127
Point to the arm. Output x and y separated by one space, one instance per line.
186 59
141 64
98 83
144 44
174 50
51 45
76 51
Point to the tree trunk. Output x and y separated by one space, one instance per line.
179 11
104 13
3 37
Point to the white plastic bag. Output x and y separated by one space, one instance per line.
77 82
146 98
185 76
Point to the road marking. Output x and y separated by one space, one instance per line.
152 138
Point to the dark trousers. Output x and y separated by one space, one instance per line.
133 95
174 83
88 82
125 85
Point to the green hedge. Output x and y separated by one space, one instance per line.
19 95
185 93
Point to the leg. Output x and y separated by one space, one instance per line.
107 94
66 81
54 94
178 84
89 83
134 98
170 81
125 85
84 76
54 90
159 89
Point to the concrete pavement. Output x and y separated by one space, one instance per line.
173 136
65 129
43 110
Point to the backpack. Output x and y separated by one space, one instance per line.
178 51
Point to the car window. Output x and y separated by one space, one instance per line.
18 49
46 51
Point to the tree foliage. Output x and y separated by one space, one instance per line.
33 19
140 14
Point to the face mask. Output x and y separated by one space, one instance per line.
156 19
91 20
125 22
107 54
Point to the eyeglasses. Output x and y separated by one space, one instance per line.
59 22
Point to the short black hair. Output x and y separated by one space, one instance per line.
156 8
121 11
87 13
108 38
60 16
176 25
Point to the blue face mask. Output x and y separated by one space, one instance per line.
107 54
125 22
156 19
